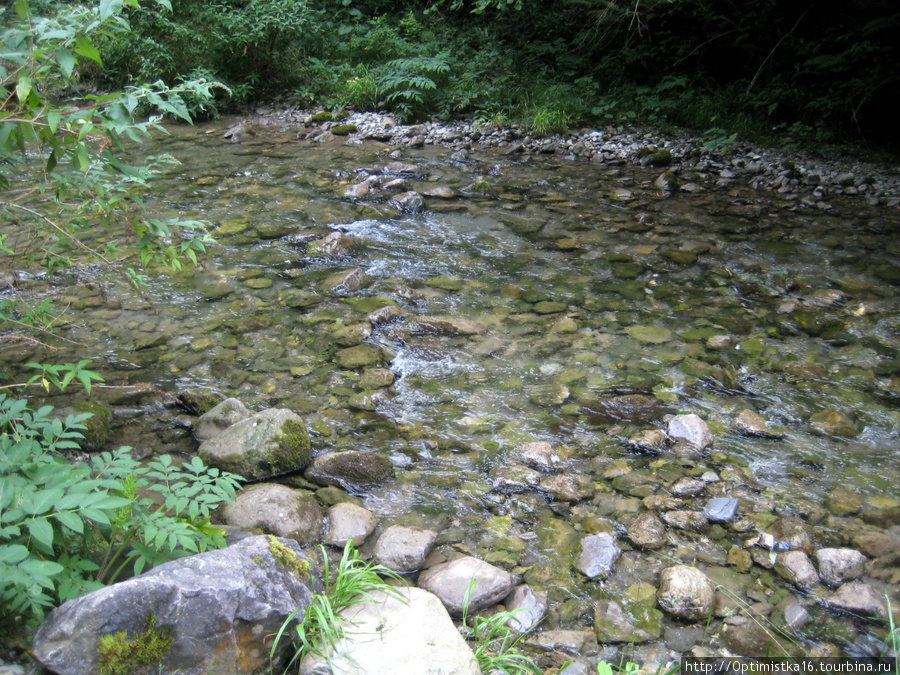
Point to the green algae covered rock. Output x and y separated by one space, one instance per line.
271 442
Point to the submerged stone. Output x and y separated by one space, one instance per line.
598 555
632 408
650 334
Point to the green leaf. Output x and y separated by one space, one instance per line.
84 47
22 9
67 62
70 520
108 8
13 554
41 531
24 87
43 501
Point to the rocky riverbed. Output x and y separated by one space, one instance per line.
652 388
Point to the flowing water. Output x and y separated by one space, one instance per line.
585 282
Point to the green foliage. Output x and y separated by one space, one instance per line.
353 582
120 655
67 529
410 85
67 196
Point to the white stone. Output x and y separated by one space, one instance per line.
387 635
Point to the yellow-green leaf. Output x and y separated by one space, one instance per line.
86 48
24 87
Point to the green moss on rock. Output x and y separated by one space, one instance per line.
288 559
97 425
344 129
120 655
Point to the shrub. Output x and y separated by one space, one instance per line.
67 529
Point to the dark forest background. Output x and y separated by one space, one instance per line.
813 72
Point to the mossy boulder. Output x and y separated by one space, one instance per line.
319 117
344 129
204 613
98 425
270 442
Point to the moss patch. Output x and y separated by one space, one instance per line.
97 432
121 656
292 449
288 559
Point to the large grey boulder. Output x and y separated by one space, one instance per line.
212 423
387 635
270 442
451 583
279 510
216 608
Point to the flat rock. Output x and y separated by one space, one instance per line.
721 509
277 509
347 522
404 549
653 335
222 416
452 581
359 356
347 282
859 599
598 555
685 520
411 634
840 565
217 607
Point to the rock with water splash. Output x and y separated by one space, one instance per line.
347 282
832 422
335 245
539 455
277 509
568 487
409 202
750 423
513 477
453 582
445 325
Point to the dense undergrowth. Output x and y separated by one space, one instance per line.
808 73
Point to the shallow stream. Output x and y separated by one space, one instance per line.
585 283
